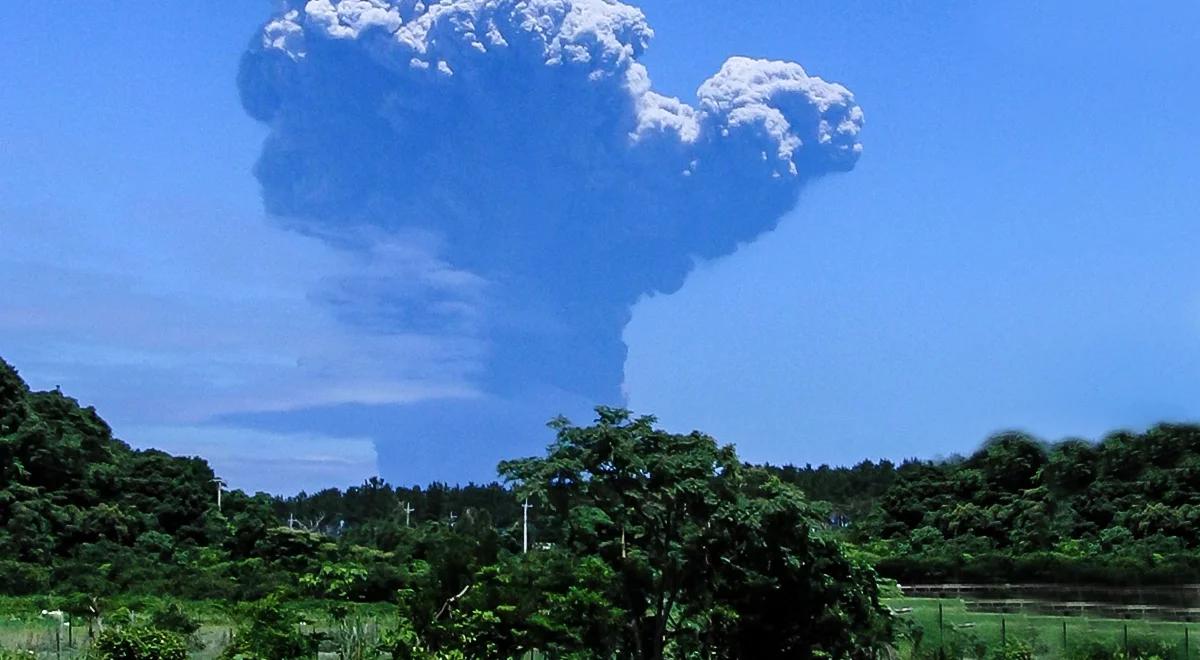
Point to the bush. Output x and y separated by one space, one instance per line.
1140 646
171 616
268 630
958 643
1014 650
1145 646
139 643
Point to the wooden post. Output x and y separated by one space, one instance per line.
1064 636
941 631
58 640
1126 640
1003 634
1187 648
70 638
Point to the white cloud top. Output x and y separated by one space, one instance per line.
775 102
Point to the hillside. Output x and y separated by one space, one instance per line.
81 511
1123 510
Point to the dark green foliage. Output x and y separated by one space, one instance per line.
269 630
82 512
708 557
1014 649
138 643
851 493
1125 510
171 616
372 512
1141 647
72 498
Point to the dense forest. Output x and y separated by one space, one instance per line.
1123 510
83 512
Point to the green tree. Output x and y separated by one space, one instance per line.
708 556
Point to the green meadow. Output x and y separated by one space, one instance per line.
962 633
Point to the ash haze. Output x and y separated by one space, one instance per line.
348 238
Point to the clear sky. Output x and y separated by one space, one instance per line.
1015 248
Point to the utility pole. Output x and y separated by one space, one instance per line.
220 483
453 517
291 521
525 526
408 509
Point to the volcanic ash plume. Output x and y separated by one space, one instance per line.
521 142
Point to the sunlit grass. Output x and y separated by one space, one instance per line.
1046 632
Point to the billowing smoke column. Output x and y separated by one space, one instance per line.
521 139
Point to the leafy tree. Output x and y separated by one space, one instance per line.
549 601
708 556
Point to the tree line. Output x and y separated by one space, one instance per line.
1124 510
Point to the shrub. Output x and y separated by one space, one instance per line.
1092 649
1014 650
1145 646
268 630
139 643
1140 646
171 616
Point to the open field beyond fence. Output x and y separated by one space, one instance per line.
961 631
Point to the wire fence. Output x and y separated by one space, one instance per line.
946 630
954 632
45 640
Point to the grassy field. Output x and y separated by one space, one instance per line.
22 628
964 634
39 637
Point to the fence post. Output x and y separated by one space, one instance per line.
1187 648
941 632
1064 636
58 640
1003 634
1127 640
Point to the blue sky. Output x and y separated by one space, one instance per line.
1014 249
